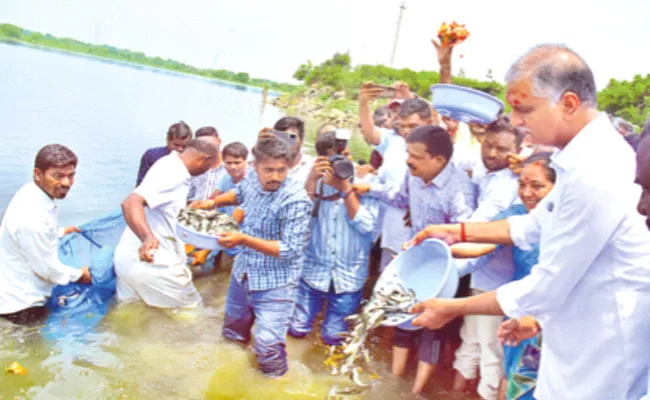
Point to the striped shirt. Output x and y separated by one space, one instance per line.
283 216
202 186
339 248
450 197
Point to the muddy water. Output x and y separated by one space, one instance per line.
141 353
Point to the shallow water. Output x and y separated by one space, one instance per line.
138 352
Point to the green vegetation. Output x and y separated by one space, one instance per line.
14 34
335 81
626 99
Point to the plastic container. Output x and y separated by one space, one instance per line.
197 239
465 104
428 269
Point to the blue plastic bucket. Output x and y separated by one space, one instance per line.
428 269
465 104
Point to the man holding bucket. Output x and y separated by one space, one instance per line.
590 291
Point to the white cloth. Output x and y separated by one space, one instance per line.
481 350
29 260
590 291
392 149
301 171
467 152
167 282
498 191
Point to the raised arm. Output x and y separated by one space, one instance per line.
370 132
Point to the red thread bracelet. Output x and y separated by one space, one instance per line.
463 237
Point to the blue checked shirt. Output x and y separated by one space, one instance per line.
282 216
339 248
449 198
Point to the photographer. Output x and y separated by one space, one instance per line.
336 259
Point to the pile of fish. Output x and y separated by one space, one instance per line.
210 222
390 300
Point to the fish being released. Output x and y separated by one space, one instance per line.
210 222
389 300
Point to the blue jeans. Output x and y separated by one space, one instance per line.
271 311
311 301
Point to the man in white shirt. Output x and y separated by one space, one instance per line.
301 163
150 261
29 261
497 189
590 291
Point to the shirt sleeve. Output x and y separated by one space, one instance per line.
225 183
41 250
384 141
583 226
158 187
144 167
365 221
498 199
463 202
391 194
294 230
471 265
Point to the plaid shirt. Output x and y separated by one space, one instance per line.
339 248
202 186
282 216
449 198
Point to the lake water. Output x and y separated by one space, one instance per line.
109 114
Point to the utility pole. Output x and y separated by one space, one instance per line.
399 23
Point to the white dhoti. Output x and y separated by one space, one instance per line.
164 283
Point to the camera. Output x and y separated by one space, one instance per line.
331 145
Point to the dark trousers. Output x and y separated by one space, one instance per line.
29 316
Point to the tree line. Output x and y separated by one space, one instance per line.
629 100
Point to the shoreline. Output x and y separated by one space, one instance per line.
129 64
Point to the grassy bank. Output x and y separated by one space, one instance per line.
14 34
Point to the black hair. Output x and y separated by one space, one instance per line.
54 156
179 130
544 160
381 116
502 124
206 131
415 106
286 123
435 138
205 145
271 147
236 150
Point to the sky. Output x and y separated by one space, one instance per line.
270 39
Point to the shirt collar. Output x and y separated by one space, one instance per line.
176 156
571 155
502 173
48 203
441 179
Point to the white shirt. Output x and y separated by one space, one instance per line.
301 171
392 149
591 289
202 186
165 189
498 191
29 260
467 153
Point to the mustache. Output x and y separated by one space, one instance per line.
411 166
274 182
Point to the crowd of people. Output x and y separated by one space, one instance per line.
539 207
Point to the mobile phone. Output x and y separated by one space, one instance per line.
289 137
388 92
